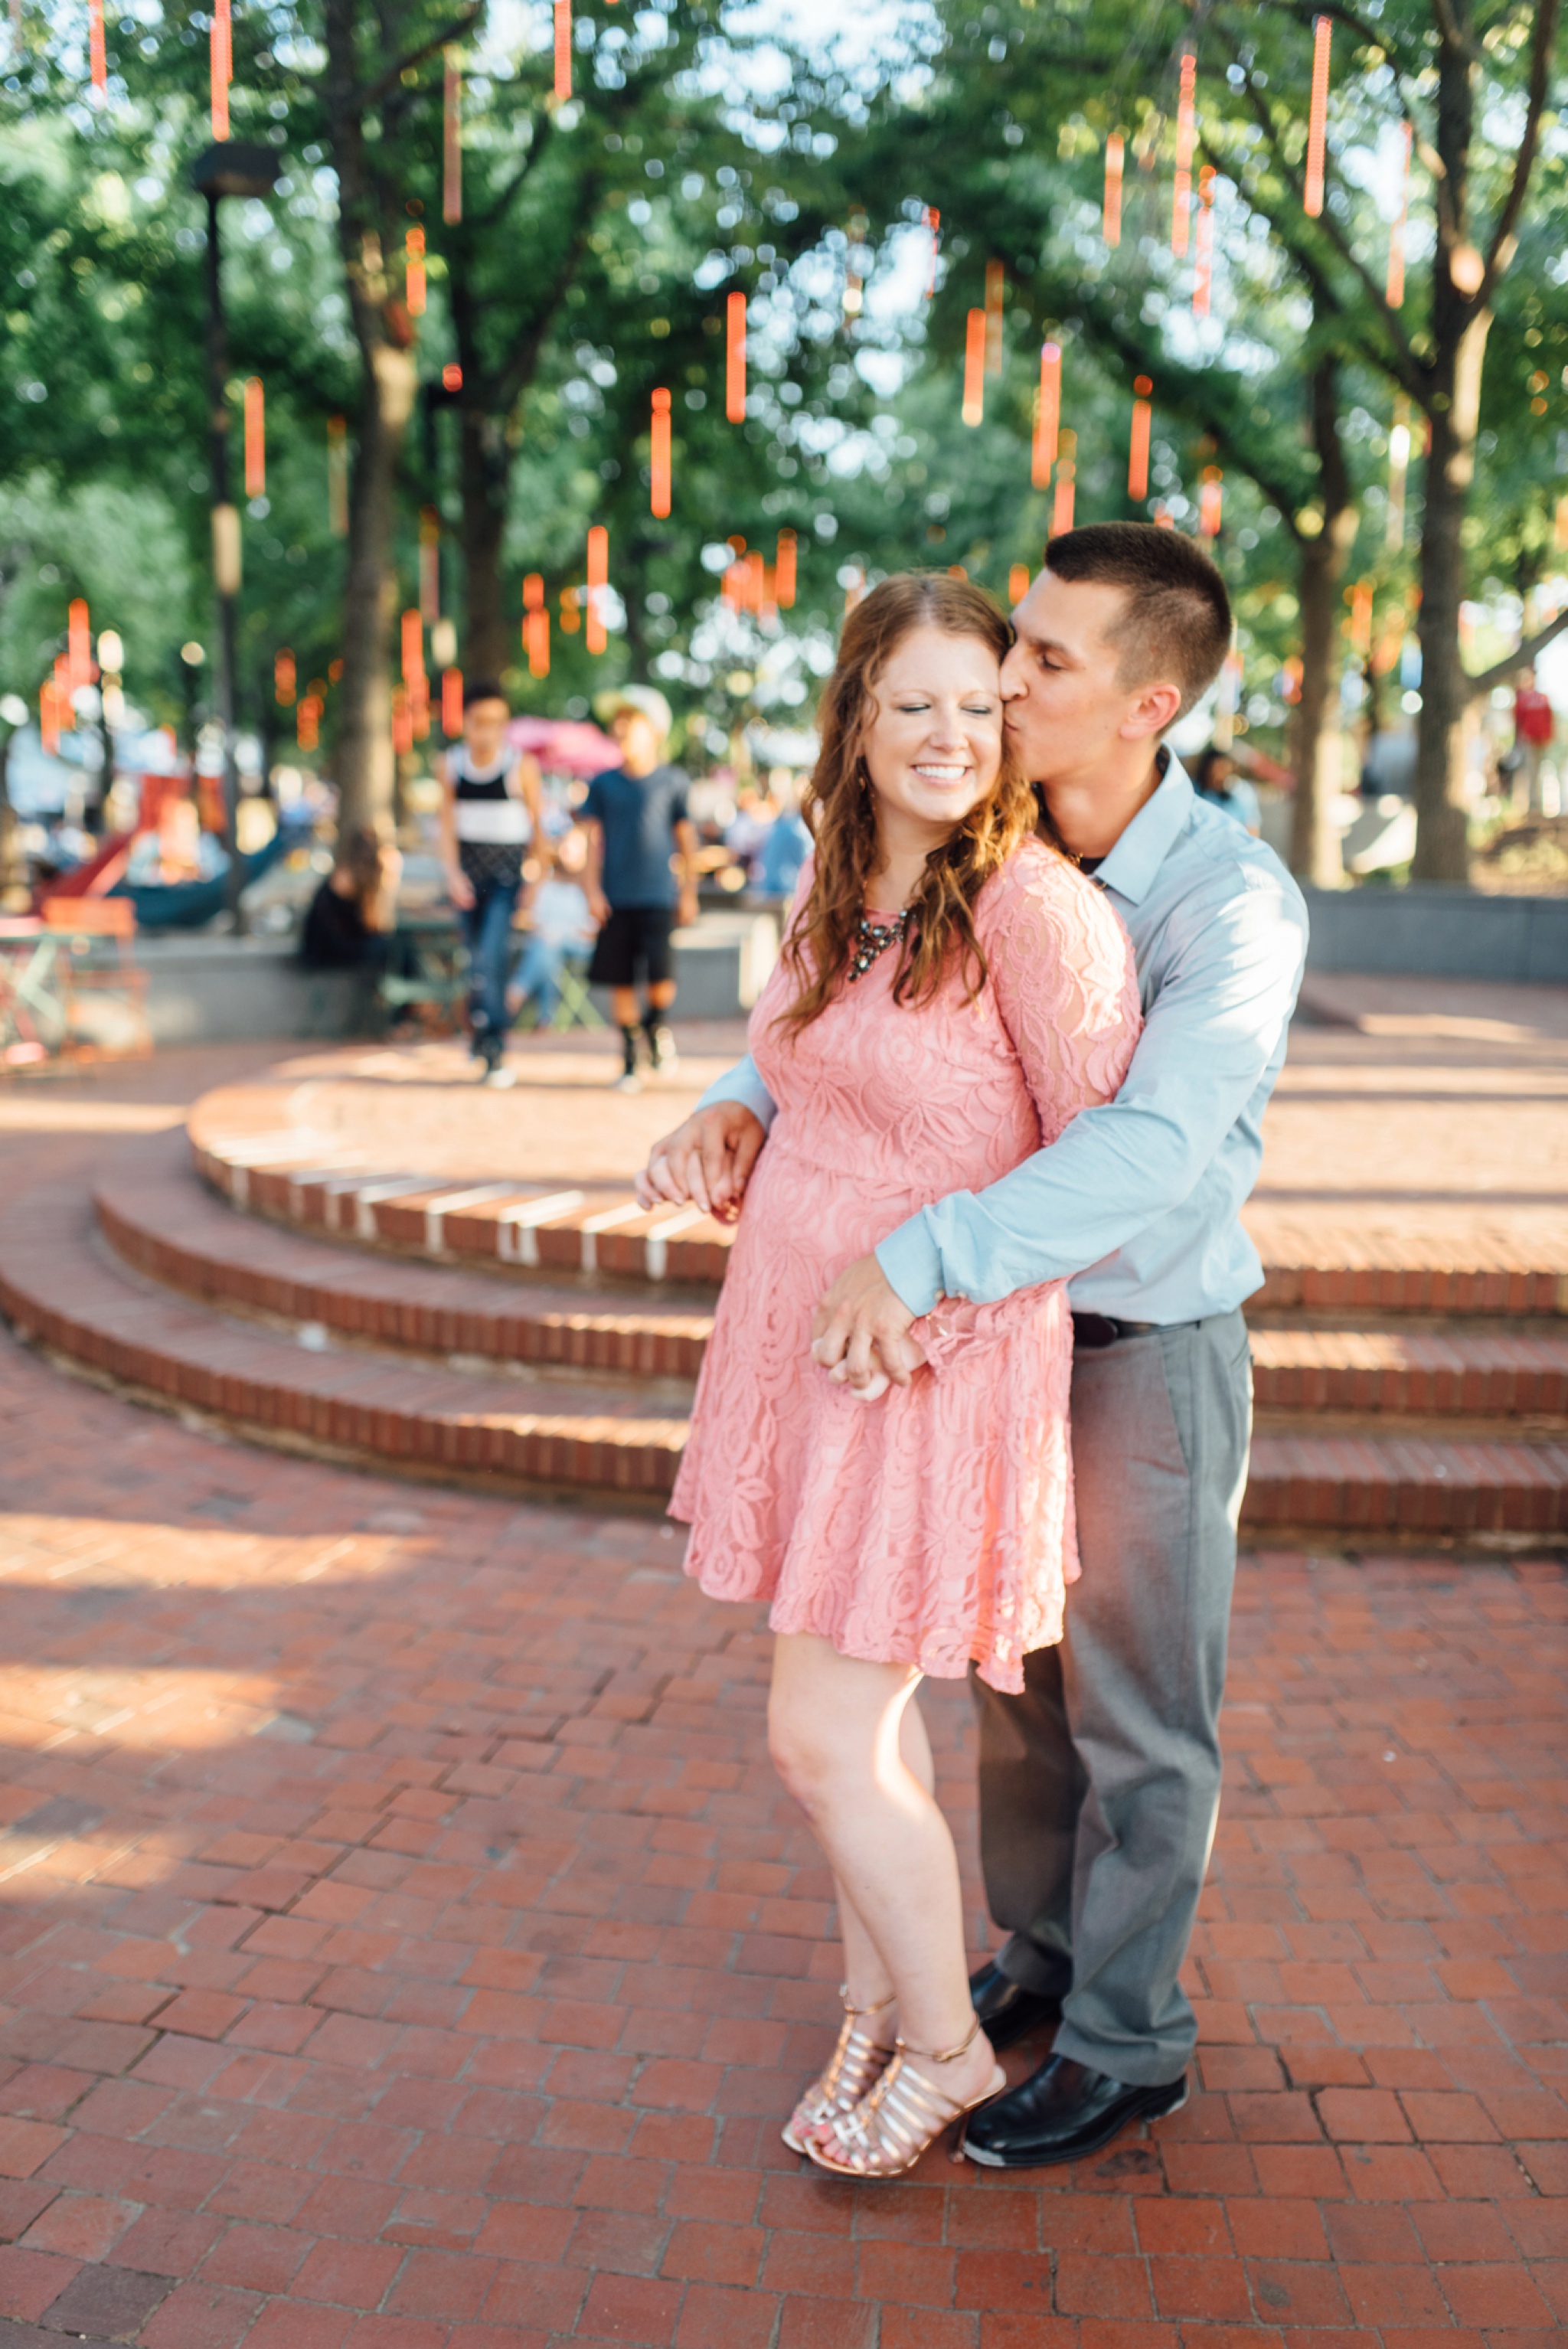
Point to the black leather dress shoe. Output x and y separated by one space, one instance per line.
1062 2112
1007 2012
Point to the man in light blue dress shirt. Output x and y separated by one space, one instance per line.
1099 1785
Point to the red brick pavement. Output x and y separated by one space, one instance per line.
403 1944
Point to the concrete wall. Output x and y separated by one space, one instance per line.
1430 931
219 990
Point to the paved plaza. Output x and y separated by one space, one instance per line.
405 1943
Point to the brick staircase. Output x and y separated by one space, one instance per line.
547 1334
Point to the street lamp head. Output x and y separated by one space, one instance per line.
236 168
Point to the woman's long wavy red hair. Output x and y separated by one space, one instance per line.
841 809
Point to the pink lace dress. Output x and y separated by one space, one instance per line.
933 1527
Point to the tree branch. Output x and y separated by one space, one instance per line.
1500 251
1525 656
366 97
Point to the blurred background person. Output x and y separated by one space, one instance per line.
351 919
1217 778
785 845
1534 720
489 818
637 823
561 928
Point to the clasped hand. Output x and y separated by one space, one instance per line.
860 1332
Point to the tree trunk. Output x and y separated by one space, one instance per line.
490 645
1442 823
1315 749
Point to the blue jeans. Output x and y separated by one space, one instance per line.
537 973
487 932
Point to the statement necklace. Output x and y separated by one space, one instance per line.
874 939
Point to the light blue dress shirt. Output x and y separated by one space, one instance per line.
1137 1203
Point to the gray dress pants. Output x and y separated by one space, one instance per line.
1099 1785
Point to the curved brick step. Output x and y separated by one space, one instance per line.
367 1408
1438 1373
1413 1484
163 1221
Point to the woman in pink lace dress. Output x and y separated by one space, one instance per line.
952 992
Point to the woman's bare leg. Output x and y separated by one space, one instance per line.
835 1732
865 1976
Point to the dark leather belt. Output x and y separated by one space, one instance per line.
1095 1330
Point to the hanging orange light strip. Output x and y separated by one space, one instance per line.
402 722
1111 219
98 59
1396 287
451 136
1047 421
784 571
598 580
307 721
413 645
255 437
1209 502
414 270
734 358
975 368
283 678
1186 141
65 709
337 476
659 438
1018 583
451 703
931 220
79 643
1137 451
535 626
49 715
1066 472
1203 270
222 67
995 282
1317 124
562 48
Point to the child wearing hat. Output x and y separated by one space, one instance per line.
638 829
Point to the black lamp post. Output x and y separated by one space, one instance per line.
230 169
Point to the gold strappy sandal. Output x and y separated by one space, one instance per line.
898 2118
851 2069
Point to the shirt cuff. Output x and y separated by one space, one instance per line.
743 1084
913 1263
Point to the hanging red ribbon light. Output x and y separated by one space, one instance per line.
98 59
222 67
451 703
284 677
660 439
307 720
1018 583
784 571
1317 124
1066 472
975 368
932 220
598 580
1186 141
535 626
1048 420
1137 451
414 270
1111 219
451 136
1208 499
1203 270
1396 287
49 717
562 48
255 438
734 358
79 644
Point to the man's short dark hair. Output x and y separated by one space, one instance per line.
1177 622
482 688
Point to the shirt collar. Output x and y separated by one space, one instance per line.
1130 867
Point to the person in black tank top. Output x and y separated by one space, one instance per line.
490 819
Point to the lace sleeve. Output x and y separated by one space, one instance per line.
1061 969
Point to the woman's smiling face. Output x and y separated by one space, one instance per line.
933 739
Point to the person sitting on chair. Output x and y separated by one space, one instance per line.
352 916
